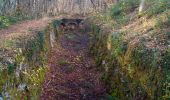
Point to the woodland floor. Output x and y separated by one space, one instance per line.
72 74
24 28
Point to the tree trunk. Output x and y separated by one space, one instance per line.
52 7
141 7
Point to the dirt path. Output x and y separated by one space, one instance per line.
23 29
72 74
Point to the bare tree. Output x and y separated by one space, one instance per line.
51 7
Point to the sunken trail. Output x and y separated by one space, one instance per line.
73 74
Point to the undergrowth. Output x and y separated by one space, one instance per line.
156 7
165 62
136 63
7 20
22 78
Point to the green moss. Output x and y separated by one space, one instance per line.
157 6
163 22
33 54
118 46
168 34
165 63
94 39
11 68
35 46
110 97
115 10
144 57
134 69
56 23
6 21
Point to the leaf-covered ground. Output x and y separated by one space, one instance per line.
21 31
72 74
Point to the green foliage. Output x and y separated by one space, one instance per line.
110 97
123 7
115 11
95 29
11 68
168 34
119 47
165 63
163 21
35 74
3 75
34 55
105 78
56 23
18 56
94 38
35 45
32 47
157 6
144 57
34 79
120 10
139 65
103 18
6 21
40 40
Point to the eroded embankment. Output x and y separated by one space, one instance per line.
23 57
135 67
